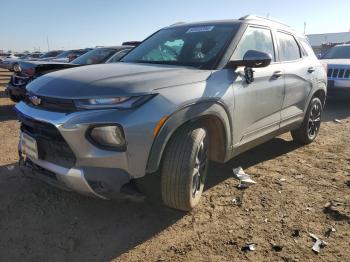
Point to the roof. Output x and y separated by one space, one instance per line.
319 39
251 19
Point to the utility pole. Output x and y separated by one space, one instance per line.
48 45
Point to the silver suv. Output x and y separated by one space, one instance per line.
188 94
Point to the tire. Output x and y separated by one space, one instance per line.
184 167
310 127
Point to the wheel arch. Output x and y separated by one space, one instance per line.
211 114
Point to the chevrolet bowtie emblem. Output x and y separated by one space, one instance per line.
35 100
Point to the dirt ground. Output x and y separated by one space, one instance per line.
299 190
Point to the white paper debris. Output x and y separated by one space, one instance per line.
319 243
10 168
242 176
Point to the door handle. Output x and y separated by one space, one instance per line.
277 74
311 70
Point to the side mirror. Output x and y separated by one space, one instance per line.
253 59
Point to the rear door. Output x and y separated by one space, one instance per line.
257 105
298 75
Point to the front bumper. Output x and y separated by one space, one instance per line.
19 91
94 171
338 87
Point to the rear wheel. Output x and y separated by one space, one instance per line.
310 127
184 167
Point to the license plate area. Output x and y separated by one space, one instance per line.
29 146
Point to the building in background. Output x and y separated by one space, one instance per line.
322 42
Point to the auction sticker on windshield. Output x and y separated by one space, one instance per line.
200 29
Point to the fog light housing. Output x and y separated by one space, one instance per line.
109 137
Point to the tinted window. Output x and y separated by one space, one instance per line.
288 48
254 38
51 54
64 54
118 56
95 56
199 46
338 52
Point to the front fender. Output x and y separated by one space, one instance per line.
187 113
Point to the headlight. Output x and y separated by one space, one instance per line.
17 68
114 102
108 137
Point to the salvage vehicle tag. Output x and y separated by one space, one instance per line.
29 146
200 29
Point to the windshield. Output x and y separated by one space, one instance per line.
95 56
197 46
50 54
338 52
64 54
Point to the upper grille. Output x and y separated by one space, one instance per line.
51 145
342 73
54 104
20 79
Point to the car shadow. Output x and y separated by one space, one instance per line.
43 222
7 112
77 228
336 108
276 147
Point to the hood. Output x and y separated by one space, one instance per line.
336 61
119 79
40 67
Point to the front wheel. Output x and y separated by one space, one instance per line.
184 167
310 127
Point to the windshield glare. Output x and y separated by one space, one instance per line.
338 52
95 56
196 46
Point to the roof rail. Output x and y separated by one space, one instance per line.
255 17
178 23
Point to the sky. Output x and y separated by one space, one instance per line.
69 24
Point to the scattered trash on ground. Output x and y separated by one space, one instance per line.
296 233
283 179
319 243
276 247
299 177
248 247
337 121
10 168
330 231
244 179
266 220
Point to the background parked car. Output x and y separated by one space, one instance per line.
70 55
338 62
29 70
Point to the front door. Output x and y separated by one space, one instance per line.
257 106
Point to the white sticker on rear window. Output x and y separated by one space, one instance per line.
200 29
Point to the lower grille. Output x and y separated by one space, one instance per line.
51 145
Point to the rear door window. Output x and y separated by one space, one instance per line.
288 47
